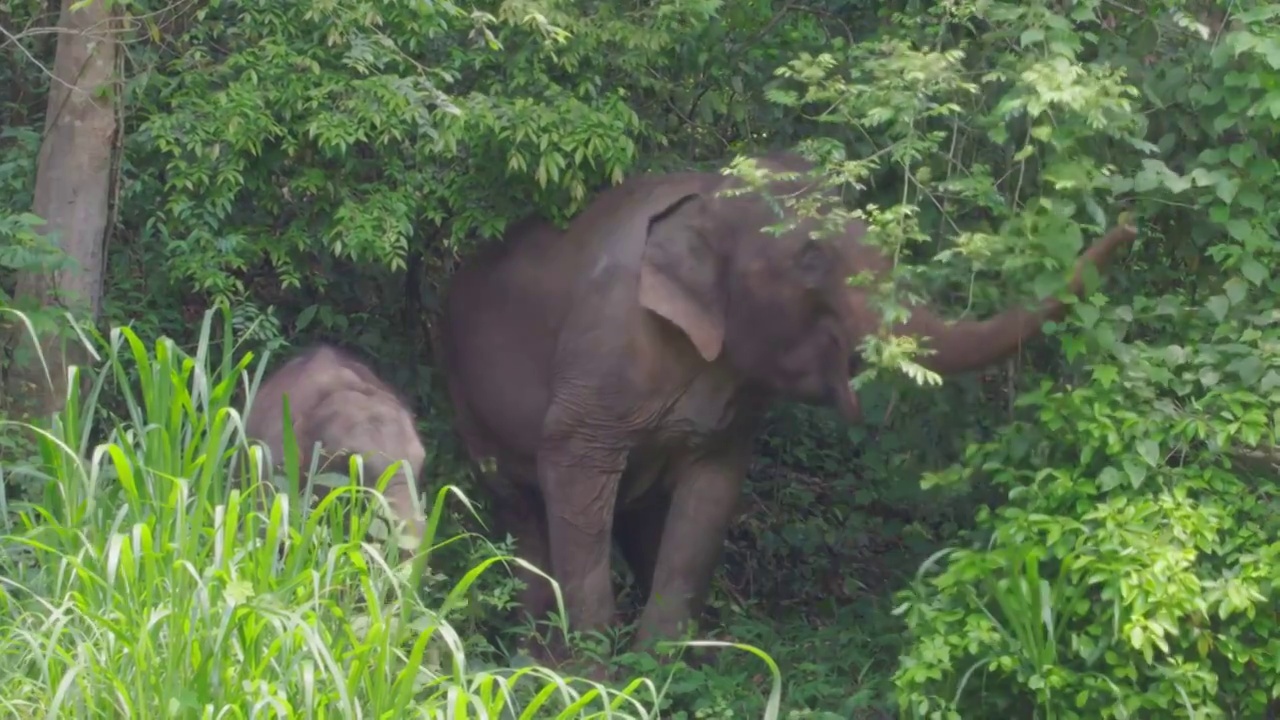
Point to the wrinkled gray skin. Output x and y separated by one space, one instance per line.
338 401
616 373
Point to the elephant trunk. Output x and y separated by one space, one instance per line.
971 344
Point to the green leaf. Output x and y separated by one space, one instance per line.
1149 450
1155 173
1145 181
1236 289
305 317
1253 271
1249 368
1270 381
1251 199
1218 305
1109 478
1175 354
1088 314
1203 177
1226 189
1239 154
1239 229
1046 284
1136 472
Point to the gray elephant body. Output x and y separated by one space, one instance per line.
337 401
616 372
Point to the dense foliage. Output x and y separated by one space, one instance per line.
1102 513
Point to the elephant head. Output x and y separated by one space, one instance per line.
779 309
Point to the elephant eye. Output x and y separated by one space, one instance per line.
813 263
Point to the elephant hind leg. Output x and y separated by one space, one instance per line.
515 502
705 496
522 515
519 511
638 532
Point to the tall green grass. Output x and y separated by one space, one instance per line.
161 575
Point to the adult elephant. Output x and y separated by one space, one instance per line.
615 373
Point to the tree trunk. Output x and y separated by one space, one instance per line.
73 186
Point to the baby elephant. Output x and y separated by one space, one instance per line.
338 401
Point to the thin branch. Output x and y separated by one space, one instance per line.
14 39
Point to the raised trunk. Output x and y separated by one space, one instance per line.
72 195
972 344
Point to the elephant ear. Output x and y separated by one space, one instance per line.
680 275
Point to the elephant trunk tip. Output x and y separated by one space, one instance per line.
1123 233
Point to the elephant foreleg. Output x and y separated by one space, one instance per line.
704 497
579 481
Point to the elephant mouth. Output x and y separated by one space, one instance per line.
816 372
839 392
846 404
853 365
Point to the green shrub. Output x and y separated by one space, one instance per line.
1133 571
